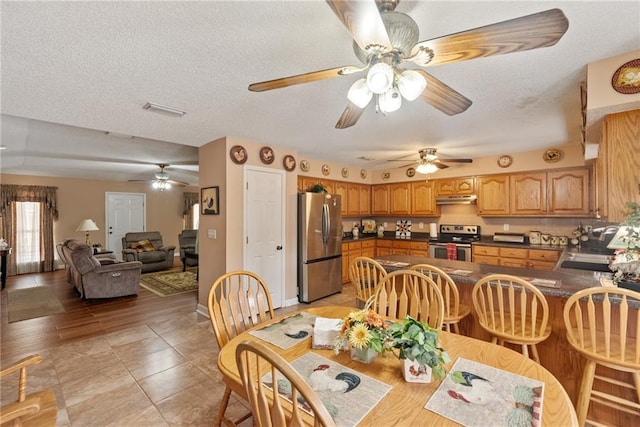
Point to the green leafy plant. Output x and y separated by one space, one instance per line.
418 342
318 188
626 262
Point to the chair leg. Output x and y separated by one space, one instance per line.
223 406
534 352
582 406
456 328
525 351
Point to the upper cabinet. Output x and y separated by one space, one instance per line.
353 199
380 199
399 199
423 199
618 165
365 199
455 186
557 193
341 188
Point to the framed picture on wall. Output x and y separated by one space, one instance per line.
209 199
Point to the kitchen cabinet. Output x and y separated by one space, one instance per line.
383 247
419 249
493 195
569 192
618 165
455 186
341 188
399 199
509 256
380 199
528 194
401 247
368 248
353 199
350 251
365 199
423 199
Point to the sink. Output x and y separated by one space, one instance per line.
584 265
594 258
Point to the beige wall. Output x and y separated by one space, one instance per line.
79 199
600 92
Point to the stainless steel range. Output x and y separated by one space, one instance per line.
459 235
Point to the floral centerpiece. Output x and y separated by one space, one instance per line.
365 332
418 345
626 263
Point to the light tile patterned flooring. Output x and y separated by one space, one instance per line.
158 374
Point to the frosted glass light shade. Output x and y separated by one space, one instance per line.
411 84
426 168
390 101
359 93
380 78
161 185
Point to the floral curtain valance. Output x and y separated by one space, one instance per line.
28 193
190 199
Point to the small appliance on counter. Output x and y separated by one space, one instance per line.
509 237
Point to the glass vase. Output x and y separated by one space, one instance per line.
363 355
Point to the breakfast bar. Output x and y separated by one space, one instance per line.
558 285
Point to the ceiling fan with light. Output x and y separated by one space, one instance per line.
161 179
385 40
429 162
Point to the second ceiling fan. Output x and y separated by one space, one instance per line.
429 162
384 40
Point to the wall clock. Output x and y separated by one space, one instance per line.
505 161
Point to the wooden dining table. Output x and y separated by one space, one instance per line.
404 404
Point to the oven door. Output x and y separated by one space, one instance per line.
439 250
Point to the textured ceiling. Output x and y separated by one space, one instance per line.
93 65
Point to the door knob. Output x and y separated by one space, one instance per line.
278 248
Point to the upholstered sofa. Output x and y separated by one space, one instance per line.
147 247
94 280
188 241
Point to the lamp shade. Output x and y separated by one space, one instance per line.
380 78
87 225
426 168
390 101
411 84
359 93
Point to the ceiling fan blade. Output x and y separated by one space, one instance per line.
363 21
456 160
303 78
177 183
540 29
350 116
440 165
404 166
442 97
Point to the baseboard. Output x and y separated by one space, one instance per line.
202 309
290 302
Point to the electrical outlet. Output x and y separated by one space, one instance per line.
421 225
384 225
505 227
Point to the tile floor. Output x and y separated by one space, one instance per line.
159 374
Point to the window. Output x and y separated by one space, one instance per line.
27 251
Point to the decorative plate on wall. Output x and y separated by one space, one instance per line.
552 155
363 173
505 161
386 175
289 163
238 154
305 166
325 169
626 79
266 155
345 172
411 172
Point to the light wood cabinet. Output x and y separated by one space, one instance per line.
493 195
399 199
368 248
528 194
618 165
568 192
380 199
401 247
342 189
350 253
455 186
353 199
509 256
419 249
365 199
383 247
423 199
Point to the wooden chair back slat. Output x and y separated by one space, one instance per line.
365 274
270 408
410 293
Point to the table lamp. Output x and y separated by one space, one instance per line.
87 225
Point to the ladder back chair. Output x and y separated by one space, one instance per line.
269 406
602 325
36 409
454 311
237 301
405 293
365 273
512 310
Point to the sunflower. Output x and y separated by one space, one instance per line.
359 336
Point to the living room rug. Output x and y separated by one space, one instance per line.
170 283
29 303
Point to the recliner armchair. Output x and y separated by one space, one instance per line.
188 241
147 247
93 280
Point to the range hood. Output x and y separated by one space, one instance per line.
456 200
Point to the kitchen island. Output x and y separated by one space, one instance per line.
555 353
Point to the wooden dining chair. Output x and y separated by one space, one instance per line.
409 293
365 273
454 311
512 310
271 398
602 325
237 301
36 409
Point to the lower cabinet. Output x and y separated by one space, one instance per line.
507 256
402 247
352 250
383 247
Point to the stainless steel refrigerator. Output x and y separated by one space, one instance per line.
319 246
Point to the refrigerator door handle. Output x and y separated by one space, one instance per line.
326 224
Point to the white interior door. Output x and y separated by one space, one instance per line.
125 213
264 228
